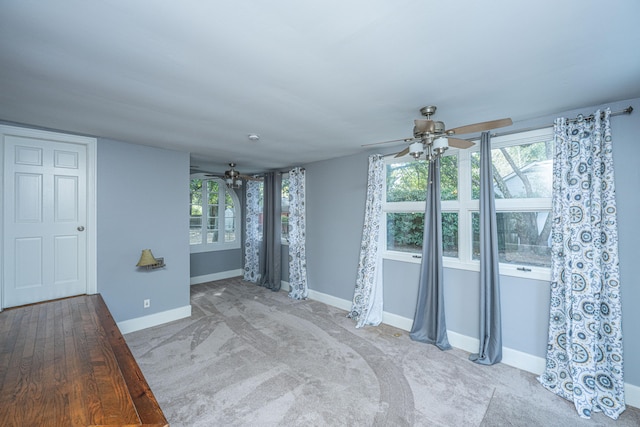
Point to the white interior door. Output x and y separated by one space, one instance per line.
45 215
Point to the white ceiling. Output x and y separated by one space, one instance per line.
315 80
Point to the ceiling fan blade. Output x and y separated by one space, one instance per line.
459 143
424 125
387 142
402 153
479 127
250 178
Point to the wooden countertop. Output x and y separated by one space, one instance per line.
65 363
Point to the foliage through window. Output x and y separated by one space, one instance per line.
214 221
522 176
407 180
405 232
284 216
406 195
520 171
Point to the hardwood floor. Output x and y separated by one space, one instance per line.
65 363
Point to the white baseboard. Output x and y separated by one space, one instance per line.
632 395
216 276
517 359
525 361
463 342
155 319
397 321
330 299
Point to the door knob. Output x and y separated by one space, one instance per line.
81 228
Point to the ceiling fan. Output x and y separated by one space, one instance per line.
432 138
233 178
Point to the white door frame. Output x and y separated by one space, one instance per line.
91 228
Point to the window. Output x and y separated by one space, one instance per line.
214 215
406 184
284 216
523 172
522 184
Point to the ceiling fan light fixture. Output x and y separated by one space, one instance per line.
440 143
416 149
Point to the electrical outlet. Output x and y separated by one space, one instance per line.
147 303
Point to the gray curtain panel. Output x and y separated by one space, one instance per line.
270 268
490 350
429 321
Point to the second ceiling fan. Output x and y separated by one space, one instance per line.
233 178
432 138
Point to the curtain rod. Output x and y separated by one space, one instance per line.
627 110
288 170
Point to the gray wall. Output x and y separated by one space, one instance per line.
204 263
336 192
625 132
142 195
335 198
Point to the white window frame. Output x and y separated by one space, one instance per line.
223 190
465 205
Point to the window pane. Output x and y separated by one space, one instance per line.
523 237
213 225
284 223
195 231
450 234
407 181
405 232
229 219
520 171
285 191
284 217
195 212
196 191
449 178
213 189
213 197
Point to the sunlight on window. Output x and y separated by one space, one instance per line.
520 171
406 181
523 237
522 183
208 214
284 216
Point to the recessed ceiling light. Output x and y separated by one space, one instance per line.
254 137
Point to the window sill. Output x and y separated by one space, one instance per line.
194 249
511 270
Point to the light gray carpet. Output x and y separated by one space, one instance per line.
252 357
